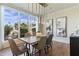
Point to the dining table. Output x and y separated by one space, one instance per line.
30 41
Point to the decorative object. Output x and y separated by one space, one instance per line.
43 4
61 26
34 31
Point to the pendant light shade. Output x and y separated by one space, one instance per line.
43 4
28 7
39 13
36 9
39 19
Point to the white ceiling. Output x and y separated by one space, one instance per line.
52 7
32 8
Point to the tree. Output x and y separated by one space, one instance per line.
16 26
7 29
23 29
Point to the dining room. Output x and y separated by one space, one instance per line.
35 29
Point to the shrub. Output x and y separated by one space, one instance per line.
23 31
7 30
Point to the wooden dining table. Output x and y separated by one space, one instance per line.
30 41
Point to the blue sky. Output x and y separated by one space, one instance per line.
11 17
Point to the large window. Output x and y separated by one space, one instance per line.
18 23
10 23
23 24
33 23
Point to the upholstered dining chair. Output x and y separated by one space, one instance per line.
49 42
15 49
40 46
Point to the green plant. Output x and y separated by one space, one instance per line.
7 30
23 31
33 29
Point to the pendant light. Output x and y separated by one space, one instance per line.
36 13
36 9
39 20
32 7
39 15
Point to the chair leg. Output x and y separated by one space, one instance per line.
32 51
51 45
24 54
13 55
27 53
39 52
35 51
45 49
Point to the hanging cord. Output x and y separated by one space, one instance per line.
28 7
32 7
36 9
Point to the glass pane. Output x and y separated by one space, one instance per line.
32 21
10 24
23 24
33 24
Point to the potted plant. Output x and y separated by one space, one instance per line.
34 31
23 31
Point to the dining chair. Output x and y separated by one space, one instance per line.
40 46
48 42
15 49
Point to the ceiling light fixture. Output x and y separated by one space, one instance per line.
43 4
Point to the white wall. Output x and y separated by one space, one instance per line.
0 30
0 27
72 20
2 44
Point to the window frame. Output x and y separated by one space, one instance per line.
19 20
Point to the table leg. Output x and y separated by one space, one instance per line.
30 50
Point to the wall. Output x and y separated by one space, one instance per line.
0 31
72 20
0 27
